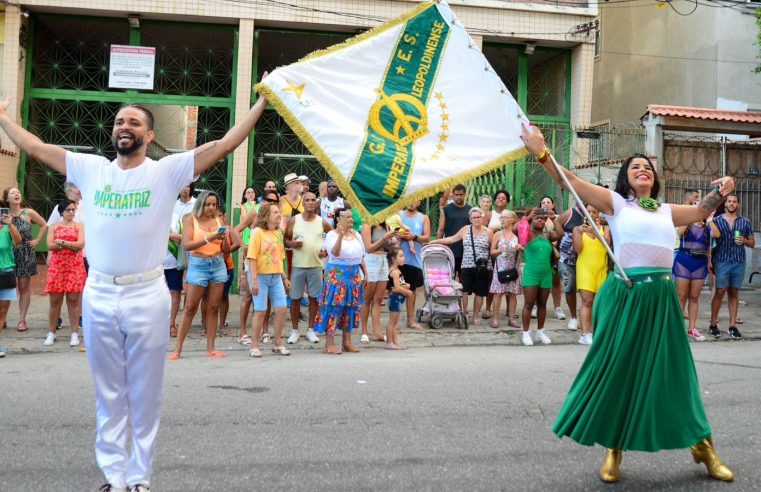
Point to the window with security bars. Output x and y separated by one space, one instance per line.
277 150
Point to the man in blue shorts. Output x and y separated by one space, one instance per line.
729 263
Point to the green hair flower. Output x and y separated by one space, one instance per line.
648 204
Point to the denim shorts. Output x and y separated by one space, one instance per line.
567 277
202 271
395 302
729 275
270 287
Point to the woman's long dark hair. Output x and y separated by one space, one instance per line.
622 181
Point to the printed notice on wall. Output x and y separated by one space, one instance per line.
131 67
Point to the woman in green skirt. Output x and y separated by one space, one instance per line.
637 388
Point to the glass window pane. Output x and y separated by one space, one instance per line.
546 83
74 54
504 61
191 60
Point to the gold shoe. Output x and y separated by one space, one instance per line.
609 471
705 453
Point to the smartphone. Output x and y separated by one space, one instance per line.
222 230
4 211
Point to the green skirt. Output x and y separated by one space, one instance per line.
637 388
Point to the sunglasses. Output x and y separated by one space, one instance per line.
269 200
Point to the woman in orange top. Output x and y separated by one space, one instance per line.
204 236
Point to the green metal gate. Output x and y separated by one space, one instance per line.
68 102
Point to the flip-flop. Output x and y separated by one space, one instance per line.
494 324
332 351
216 354
414 326
22 326
174 356
351 349
255 352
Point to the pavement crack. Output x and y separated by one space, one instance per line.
745 366
252 389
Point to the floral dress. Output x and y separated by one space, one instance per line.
505 263
23 254
66 271
342 291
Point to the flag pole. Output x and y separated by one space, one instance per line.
584 210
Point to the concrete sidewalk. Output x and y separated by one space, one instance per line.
14 342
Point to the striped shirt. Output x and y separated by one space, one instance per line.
727 251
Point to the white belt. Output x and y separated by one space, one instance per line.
134 278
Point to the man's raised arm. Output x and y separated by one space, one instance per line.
52 155
210 153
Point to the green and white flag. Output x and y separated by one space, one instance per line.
400 112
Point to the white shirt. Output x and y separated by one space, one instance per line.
182 209
127 210
352 252
641 238
169 260
327 208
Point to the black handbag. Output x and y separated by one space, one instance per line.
505 276
482 264
7 280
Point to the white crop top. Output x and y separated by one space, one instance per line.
641 238
352 251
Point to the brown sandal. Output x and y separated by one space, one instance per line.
173 331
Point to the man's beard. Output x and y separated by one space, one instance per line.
129 150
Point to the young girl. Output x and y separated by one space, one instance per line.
400 292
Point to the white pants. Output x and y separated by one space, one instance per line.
126 335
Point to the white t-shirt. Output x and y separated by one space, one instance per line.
169 260
127 210
641 238
182 209
327 208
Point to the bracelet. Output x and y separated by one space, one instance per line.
415 238
206 240
543 155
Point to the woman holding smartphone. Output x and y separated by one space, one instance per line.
9 238
205 237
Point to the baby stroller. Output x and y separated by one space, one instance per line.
443 295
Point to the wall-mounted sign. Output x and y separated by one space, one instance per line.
131 67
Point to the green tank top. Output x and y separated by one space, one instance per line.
6 249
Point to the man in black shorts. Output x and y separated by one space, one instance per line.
419 227
453 217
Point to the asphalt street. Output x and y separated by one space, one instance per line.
456 418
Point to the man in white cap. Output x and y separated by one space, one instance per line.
126 303
305 183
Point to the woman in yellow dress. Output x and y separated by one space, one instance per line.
591 268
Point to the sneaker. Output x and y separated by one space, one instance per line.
2 354
541 337
364 339
734 333
526 340
74 342
139 488
294 337
695 335
50 339
533 312
573 324
583 340
559 314
714 331
312 336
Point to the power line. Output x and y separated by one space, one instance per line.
678 57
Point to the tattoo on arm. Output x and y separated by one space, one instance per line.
712 200
207 147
